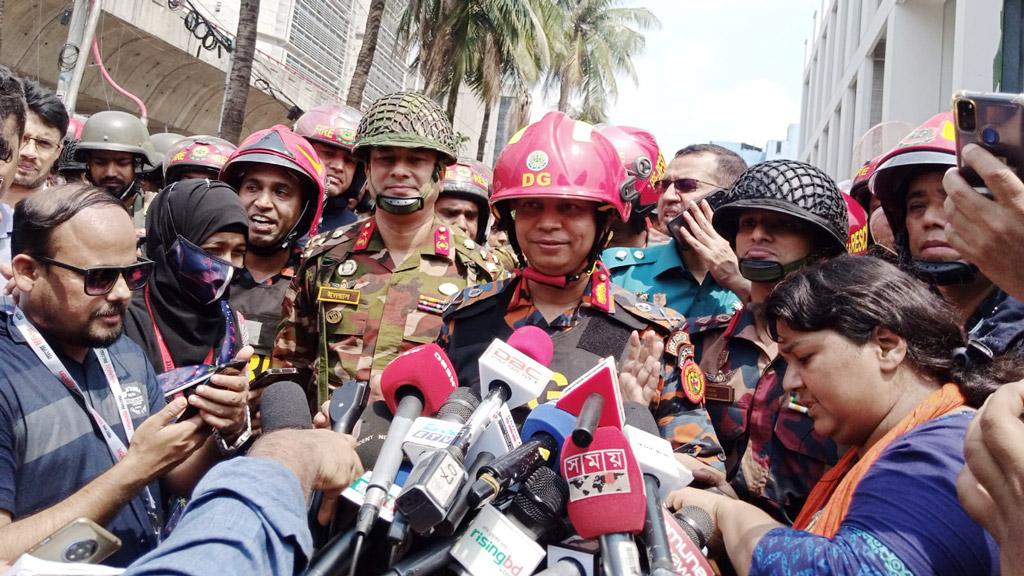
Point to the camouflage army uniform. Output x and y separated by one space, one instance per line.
582 335
773 455
350 310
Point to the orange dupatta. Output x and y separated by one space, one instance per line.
833 493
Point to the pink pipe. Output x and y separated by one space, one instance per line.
143 112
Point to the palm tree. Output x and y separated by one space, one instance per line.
365 60
236 92
592 42
482 42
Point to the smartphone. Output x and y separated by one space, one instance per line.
184 381
82 541
272 376
996 123
715 199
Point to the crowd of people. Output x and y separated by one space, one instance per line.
842 371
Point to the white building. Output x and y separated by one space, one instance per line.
873 61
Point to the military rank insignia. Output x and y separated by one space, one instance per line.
693 382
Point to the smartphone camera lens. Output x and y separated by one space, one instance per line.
80 551
966 116
990 136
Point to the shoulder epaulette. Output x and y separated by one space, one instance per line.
483 256
710 323
473 295
325 241
662 316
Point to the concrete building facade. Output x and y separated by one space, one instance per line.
874 61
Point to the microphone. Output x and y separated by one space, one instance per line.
451 522
514 378
688 532
347 404
507 543
424 562
641 431
606 497
602 379
429 434
587 421
283 406
418 380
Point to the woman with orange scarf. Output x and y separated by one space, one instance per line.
879 362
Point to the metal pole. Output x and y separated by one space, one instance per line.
76 27
83 59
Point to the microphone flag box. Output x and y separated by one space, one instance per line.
604 380
525 377
356 493
655 456
492 544
428 434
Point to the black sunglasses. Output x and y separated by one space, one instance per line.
100 280
683 185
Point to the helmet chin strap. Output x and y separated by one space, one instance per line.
770 271
402 205
935 273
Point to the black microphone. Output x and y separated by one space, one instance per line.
533 515
587 421
688 532
347 404
283 406
425 562
497 476
697 524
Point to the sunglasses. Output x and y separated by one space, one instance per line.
100 280
683 185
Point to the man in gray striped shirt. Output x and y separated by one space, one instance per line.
84 429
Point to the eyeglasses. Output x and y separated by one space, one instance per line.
683 185
42 144
100 280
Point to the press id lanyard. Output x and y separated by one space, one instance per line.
117 448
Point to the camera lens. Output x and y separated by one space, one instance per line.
990 136
966 116
80 551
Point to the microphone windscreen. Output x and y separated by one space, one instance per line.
534 342
540 502
425 368
373 429
606 489
284 405
459 406
697 524
548 418
640 417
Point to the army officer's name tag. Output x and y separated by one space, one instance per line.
339 295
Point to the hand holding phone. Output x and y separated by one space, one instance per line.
82 541
996 123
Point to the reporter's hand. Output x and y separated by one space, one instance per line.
991 485
222 405
988 234
640 374
159 444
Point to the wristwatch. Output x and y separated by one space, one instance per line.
222 445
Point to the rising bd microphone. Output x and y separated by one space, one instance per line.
284 405
417 381
606 497
507 543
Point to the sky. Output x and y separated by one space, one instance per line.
715 70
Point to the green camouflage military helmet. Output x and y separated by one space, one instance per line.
117 132
406 120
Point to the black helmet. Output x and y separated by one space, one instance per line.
793 188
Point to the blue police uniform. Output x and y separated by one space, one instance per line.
658 275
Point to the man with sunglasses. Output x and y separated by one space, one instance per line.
84 430
695 273
45 125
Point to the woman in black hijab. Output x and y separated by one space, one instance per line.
196 234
